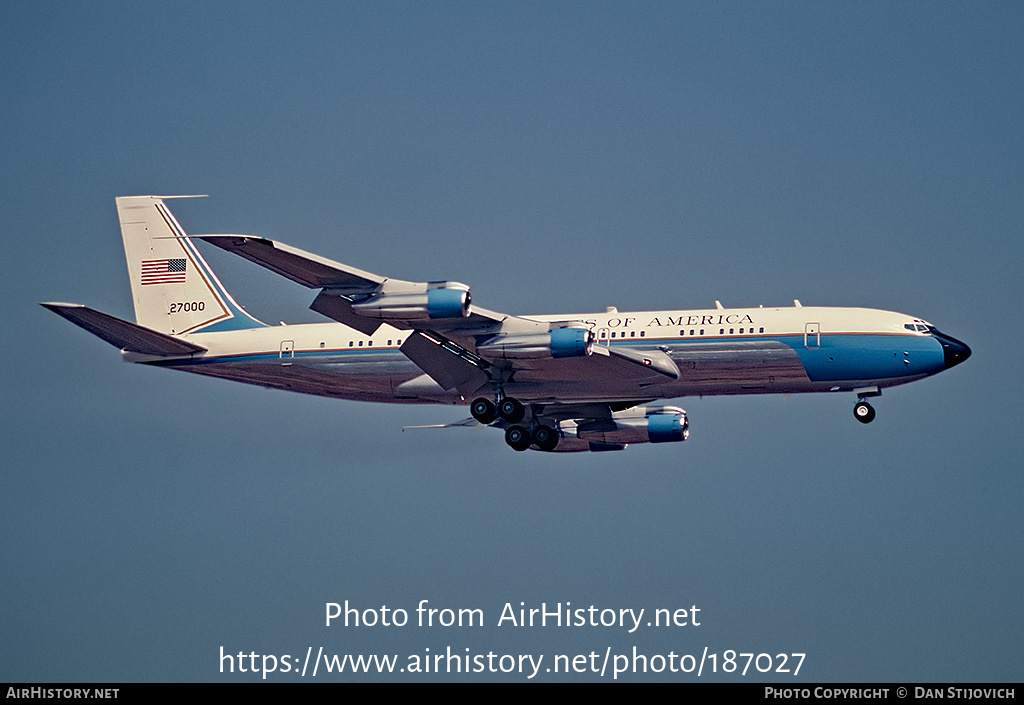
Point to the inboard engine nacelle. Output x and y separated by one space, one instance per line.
420 302
652 424
557 342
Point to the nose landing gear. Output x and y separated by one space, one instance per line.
863 412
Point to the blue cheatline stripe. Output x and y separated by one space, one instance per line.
236 322
276 355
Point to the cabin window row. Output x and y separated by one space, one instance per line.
721 331
369 343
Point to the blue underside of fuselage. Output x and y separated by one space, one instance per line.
839 357
870 357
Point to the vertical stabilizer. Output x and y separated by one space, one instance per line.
173 288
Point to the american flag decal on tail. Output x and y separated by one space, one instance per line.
163 271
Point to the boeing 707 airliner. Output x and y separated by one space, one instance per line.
552 383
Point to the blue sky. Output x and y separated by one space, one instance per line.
558 157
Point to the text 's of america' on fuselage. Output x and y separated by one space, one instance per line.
554 383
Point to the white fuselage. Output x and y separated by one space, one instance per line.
718 351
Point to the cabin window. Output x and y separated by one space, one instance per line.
350 343
360 343
762 330
641 334
702 331
321 344
741 330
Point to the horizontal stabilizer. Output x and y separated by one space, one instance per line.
122 334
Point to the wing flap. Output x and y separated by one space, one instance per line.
654 360
448 365
642 367
339 309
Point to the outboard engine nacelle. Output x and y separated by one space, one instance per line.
426 301
662 424
570 341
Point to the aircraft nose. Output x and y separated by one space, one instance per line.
953 350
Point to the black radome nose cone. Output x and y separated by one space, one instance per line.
953 350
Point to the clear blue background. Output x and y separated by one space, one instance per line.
558 157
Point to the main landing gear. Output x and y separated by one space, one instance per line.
508 409
483 411
512 411
519 438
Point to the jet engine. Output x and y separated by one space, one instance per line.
557 342
660 424
434 300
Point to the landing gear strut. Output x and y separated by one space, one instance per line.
862 411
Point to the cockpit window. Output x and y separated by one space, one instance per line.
922 328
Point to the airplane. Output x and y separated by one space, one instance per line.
564 383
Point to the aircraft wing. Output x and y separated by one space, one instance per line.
342 286
458 345
303 267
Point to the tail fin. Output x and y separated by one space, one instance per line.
173 288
